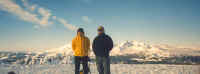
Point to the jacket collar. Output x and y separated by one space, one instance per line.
102 34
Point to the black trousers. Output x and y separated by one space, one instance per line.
81 60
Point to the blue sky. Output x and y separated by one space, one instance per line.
52 23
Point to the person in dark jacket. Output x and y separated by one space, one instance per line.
102 45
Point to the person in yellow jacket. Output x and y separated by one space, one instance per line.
81 48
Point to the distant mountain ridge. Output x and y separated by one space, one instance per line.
127 51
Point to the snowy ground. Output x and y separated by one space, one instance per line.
115 69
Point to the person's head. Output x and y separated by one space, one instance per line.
80 31
100 30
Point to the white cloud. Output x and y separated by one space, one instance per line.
86 19
66 24
46 15
30 7
41 18
13 8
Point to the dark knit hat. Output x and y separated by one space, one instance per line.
80 30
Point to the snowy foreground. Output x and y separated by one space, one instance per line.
115 69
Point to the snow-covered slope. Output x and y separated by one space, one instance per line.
125 48
65 50
130 47
141 50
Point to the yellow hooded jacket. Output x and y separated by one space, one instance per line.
81 45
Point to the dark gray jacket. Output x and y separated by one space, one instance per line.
102 45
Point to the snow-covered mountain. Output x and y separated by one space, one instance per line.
65 50
134 50
122 49
128 48
140 48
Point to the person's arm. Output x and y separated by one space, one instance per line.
94 46
110 43
88 46
73 45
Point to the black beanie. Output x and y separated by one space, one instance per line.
80 30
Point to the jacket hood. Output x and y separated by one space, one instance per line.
79 34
